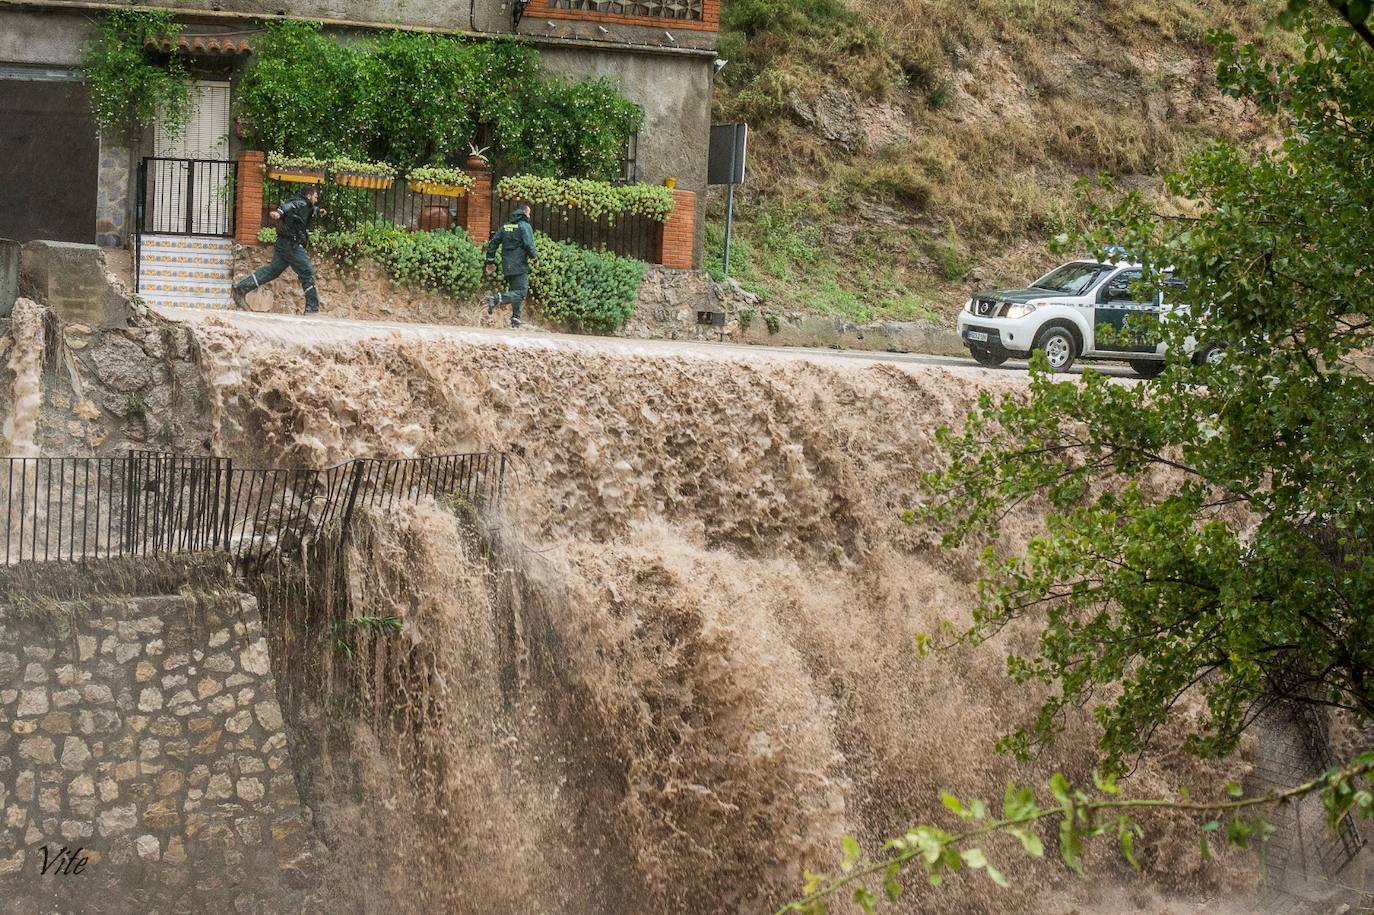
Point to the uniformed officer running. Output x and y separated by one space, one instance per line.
516 241
293 224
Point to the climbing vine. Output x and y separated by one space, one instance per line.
129 86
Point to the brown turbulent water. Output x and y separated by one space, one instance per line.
680 665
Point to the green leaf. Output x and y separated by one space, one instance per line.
954 804
852 852
1059 787
1029 841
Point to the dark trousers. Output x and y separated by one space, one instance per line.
285 254
517 287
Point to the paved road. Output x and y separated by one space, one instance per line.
304 331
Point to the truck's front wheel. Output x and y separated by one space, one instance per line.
1060 347
989 357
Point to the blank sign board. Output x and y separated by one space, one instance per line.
725 163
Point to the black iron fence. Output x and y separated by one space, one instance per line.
626 234
397 204
186 197
348 207
152 503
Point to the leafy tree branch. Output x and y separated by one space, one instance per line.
1082 817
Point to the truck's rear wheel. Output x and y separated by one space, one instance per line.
1147 368
1059 346
989 357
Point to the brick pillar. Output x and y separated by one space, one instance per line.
679 232
248 205
478 222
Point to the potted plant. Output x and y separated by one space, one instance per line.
371 175
300 169
477 158
439 181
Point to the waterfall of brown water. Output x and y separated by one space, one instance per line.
25 364
685 666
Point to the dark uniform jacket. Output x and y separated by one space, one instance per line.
516 242
294 223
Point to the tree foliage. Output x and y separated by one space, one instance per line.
1210 530
414 99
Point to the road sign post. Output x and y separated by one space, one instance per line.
725 165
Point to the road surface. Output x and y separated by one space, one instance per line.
305 330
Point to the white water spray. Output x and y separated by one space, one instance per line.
25 365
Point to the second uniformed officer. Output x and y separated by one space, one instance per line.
516 243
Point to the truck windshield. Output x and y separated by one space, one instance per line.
1073 279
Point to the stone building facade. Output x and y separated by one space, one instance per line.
660 52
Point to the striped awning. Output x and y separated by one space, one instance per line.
201 44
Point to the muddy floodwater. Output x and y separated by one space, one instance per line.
680 665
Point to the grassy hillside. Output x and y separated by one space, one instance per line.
906 150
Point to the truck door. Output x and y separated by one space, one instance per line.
1121 324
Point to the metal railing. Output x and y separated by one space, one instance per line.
625 234
186 197
152 503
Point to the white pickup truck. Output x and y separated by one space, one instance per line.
1084 309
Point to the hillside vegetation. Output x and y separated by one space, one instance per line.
904 151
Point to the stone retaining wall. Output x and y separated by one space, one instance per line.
146 732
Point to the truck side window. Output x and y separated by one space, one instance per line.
1118 288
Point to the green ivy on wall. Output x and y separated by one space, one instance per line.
128 85
413 99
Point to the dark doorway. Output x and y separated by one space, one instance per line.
49 156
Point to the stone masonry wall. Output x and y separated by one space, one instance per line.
146 732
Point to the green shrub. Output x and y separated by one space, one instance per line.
267 235
441 261
583 288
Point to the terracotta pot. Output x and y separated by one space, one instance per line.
435 217
477 163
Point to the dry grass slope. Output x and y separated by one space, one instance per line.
907 149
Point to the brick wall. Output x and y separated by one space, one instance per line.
248 205
679 232
710 21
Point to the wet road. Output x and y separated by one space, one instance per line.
301 330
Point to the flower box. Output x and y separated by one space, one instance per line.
357 179
298 175
437 189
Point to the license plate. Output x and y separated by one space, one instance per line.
977 335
